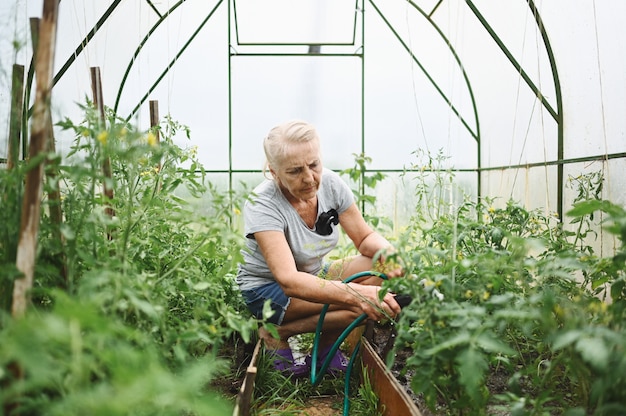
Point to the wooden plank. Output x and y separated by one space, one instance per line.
393 399
31 204
242 406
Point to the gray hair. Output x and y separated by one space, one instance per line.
281 136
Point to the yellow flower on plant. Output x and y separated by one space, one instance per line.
468 294
486 295
103 136
151 139
491 210
558 311
428 283
236 211
85 132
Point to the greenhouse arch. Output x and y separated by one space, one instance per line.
463 242
428 11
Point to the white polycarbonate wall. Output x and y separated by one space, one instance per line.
484 82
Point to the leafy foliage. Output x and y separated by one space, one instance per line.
507 291
133 302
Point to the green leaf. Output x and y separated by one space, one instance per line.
472 366
459 339
576 411
201 286
565 339
599 282
491 344
594 351
585 208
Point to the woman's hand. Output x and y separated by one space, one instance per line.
388 266
376 308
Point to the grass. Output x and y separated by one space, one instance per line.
278 395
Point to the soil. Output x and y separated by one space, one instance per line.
239 354
323 406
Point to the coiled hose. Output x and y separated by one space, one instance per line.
317 377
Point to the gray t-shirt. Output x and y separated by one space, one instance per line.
269 210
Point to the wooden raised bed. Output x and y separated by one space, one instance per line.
393 398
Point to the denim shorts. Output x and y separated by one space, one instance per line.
255 299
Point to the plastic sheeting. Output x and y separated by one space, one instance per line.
477 81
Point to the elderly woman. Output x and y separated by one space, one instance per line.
290 223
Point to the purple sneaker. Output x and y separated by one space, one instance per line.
338 364
284 362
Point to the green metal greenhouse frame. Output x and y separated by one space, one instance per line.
360 52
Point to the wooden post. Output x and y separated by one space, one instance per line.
54 195
98 101
31 205
154 123
244 398
154 118
15 123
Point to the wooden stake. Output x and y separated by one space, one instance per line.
31 205
154 118
54 195
96 88
244 398
154 123
15 124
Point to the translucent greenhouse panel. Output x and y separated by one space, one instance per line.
136 68
602 180
242 185
403 197
270 90
514 126
590 51
288 21
534 188
411 100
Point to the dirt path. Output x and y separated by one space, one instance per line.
323 406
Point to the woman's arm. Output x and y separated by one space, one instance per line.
366 240
279 258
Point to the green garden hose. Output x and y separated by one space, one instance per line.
317 377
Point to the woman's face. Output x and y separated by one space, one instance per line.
299 171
